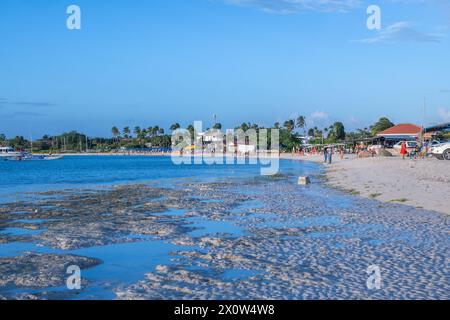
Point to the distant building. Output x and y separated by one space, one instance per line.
403 131
244 148
436 130
304 140
211 136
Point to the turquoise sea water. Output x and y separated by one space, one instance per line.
88 171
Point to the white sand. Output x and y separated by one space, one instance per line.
423 183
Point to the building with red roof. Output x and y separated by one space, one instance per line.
403 131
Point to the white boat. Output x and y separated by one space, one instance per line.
8 152
30 157
52 157
25 156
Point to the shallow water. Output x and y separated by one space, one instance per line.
20 231
88 171
221 232
123 264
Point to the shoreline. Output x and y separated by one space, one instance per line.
419 183
422 183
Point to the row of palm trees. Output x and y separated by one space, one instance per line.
291 124
336 130
142 133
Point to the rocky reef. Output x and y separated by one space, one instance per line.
261 238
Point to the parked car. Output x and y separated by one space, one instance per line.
433 143
441 151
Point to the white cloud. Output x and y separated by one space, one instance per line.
319 115
293 6
402 32
444 114
354 121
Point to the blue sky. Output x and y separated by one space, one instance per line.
153 62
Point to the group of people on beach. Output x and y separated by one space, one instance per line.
364 150
417 151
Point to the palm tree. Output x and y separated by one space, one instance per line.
191 130
175 126
277 125
381 125
317 132
289 125
301 123
143 134
126 132
150 132
337 131
244 126
115 132
217 126
161 131
137 131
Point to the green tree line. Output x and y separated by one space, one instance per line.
292 133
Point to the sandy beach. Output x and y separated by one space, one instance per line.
422 183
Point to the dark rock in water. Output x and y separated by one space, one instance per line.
40 270
384 153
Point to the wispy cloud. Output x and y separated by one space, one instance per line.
294 6
402 32
319 115
444 114
5 102
318 119
23 114
34 104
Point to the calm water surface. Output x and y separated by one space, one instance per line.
88 171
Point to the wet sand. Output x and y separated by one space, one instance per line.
421 183
260 238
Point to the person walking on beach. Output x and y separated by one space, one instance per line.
425 149
325 154
403 150
330 155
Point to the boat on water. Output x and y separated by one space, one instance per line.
47 157
9 154
31 157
